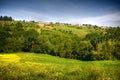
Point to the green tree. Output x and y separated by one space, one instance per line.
3 36
30 39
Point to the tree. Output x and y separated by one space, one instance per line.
6 18
14 44
3 36
30 39
94 38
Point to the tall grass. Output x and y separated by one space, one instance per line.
30 66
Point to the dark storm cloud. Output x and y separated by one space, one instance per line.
62 5
59 10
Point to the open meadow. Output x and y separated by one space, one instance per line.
31 66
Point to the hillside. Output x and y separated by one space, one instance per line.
31 66
84 42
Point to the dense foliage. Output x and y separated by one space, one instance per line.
64 40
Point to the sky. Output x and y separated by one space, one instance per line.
96 12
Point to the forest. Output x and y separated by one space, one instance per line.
81 42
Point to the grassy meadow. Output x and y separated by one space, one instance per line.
31 66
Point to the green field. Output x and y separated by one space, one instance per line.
80 32
31 66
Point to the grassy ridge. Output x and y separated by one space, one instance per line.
78 31
30 66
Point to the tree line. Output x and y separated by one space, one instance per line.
5 18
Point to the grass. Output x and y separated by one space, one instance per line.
80 32
9 58
31 66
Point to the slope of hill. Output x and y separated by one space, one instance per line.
31 66
86 42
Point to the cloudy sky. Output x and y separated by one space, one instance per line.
99 12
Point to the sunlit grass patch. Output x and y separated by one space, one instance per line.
9 58
80 32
